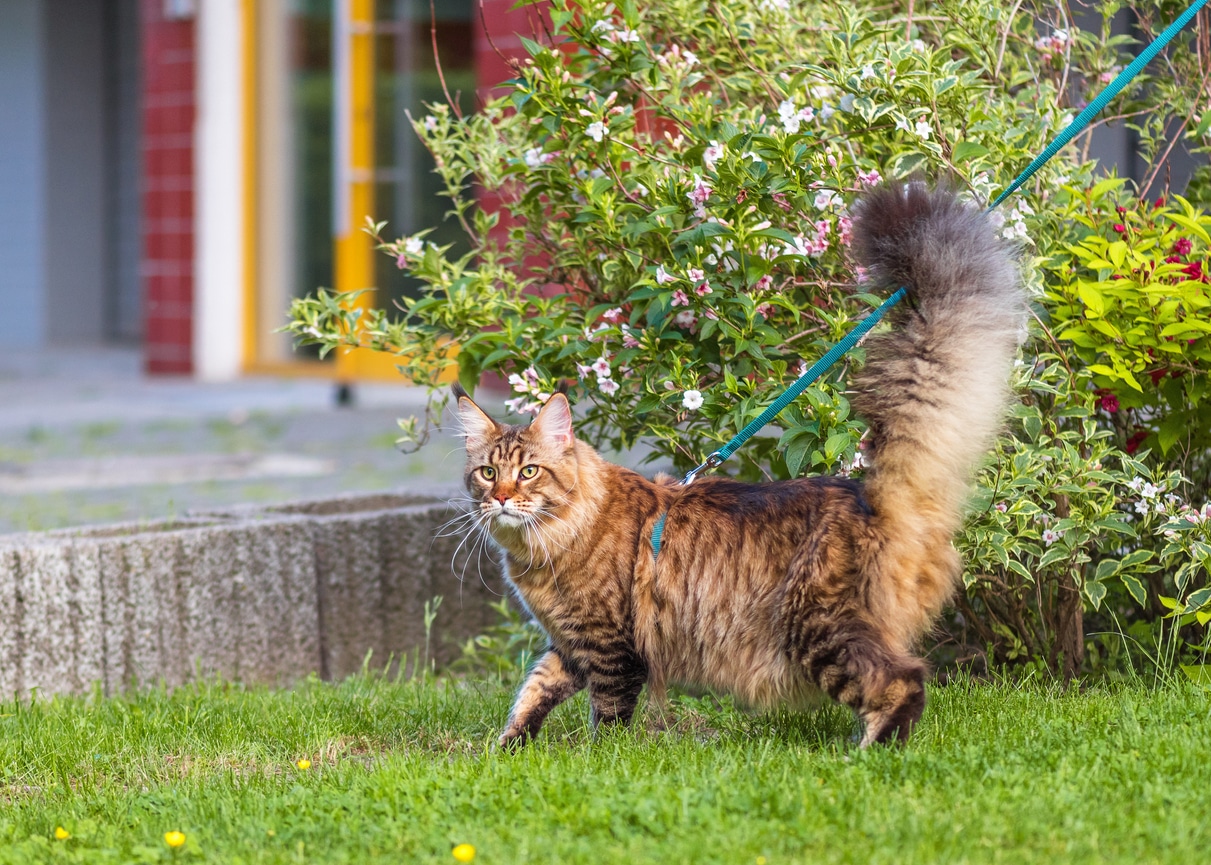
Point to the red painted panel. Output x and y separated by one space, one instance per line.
169 113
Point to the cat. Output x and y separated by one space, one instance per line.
779 591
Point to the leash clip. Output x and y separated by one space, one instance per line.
711 462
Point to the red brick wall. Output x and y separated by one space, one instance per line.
169 105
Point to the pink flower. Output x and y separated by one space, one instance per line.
601 366
765 310
763 283
663 276
607 386
1183 246
845 228
1119 227
780 200
680 298
628 338
1109 402
711 314
696 274
702 289
700 193
583 370
613 316
685 319
1050 536
869 178
1001 507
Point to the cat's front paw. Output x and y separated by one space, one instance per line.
513 738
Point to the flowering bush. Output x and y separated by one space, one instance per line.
657 212
1131 299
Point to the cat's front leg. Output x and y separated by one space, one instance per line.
616 676
551 681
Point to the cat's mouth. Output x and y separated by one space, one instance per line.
507 516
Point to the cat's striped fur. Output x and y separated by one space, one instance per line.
772 592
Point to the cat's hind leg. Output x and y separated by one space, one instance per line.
551 681
845 657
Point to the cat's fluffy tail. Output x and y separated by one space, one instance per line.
934 388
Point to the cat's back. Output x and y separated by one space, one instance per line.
711 614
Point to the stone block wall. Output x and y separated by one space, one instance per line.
252 594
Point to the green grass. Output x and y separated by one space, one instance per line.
403 771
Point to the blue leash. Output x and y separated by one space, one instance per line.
841 348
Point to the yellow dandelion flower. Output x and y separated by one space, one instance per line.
463 852
174 839
61 833
304 764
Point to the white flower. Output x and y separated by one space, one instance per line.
626 36
868 72
692 400
534 157
663 276
691 58
601 366
918 45
1050 536
519 383
712 154
826 199
582 371
1149 490
847 103
430 123
523 405
640 189
607 386
414 246
596 130
602 25
1135 484
826 111
1141 507
923 129
789 115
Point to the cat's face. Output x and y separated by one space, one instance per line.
519 476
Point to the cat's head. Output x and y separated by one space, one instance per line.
519 474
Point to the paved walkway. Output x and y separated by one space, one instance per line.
85 437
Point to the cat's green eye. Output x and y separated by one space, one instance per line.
488 472
529 472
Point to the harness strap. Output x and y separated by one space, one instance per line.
657 531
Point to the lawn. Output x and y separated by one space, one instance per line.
404 771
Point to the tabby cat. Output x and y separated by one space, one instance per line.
771 592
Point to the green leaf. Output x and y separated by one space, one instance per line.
1135 588
968 150
796 454
1199 674
1095 592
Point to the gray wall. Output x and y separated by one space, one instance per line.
69 172
22 168
77 152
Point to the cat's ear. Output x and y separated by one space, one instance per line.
554 422
477 426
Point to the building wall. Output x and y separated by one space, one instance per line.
77 152
23 229
168 109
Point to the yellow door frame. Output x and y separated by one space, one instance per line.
353 190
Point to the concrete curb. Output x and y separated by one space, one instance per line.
255 594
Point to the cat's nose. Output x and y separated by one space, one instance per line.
500 498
